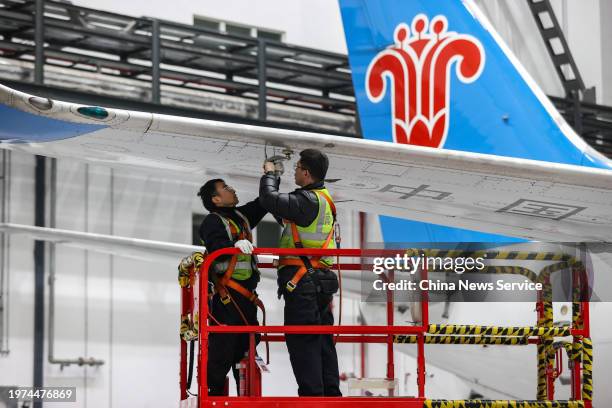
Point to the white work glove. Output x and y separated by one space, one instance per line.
245 246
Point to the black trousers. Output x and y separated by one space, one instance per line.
225 350
313 356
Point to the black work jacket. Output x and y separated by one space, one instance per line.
212 230
300 206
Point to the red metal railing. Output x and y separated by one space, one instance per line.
385 333
349 334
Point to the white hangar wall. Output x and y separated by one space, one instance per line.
120 310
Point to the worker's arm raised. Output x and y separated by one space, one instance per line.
254 212
295 206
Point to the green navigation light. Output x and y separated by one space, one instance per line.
93 112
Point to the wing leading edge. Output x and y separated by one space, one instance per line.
510 196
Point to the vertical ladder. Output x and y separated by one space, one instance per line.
557 47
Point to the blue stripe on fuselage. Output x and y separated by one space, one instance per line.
400 230
22 127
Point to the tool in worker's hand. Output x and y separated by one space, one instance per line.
279 167
277 160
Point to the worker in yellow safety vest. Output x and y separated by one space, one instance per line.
306 283
234 277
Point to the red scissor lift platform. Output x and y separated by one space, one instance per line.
580 347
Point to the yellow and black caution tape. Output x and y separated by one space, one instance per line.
587 369
511 270
546 353
194 260
184 270
576 353
478 340
550 269
576 301
546 356
576 315
501 404
186 274
189 329
198 259
550 357
542 392
579 271
474 330
576 304
547 315
516 255
544 347
573 350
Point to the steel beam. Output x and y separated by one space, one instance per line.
155 61
39 276
261 79
39 42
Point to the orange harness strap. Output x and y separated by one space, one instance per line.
227 276
226 281
299 274
315 261
332 206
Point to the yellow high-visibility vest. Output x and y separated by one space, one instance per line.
244 262
315 234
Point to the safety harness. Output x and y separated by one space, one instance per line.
188 277
226 281
306 264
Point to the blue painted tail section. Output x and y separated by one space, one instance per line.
434 72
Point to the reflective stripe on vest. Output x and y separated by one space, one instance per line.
244 263
315 234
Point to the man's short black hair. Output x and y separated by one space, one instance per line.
207 192
316 162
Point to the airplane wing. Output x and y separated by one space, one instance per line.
510 196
